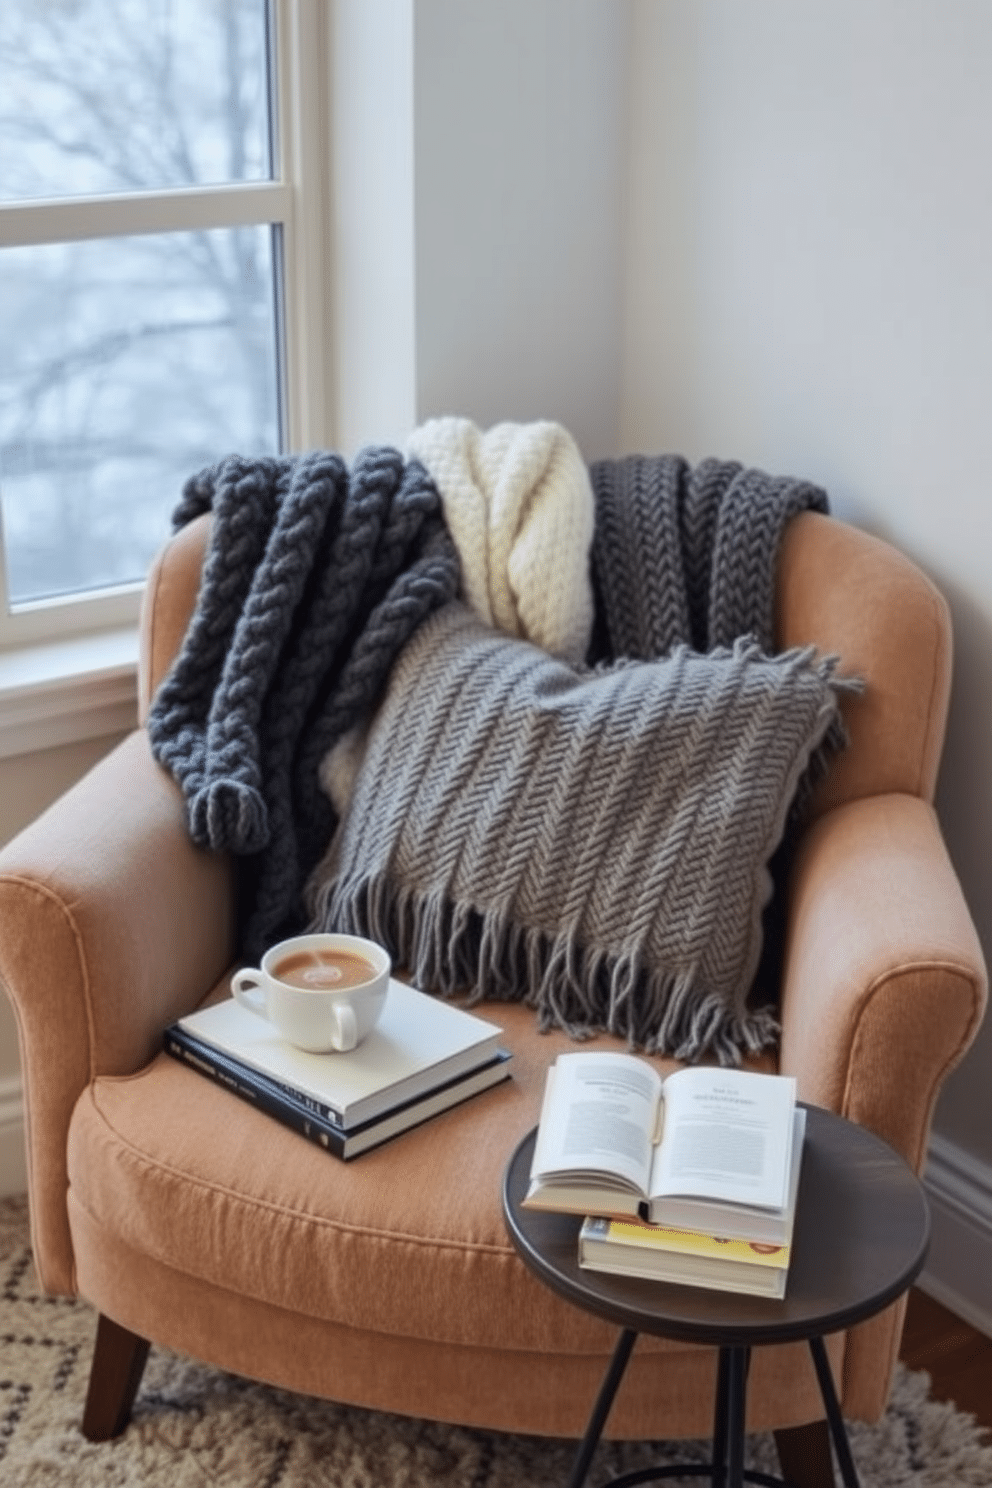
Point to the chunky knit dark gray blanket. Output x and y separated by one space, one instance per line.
316 575
686 554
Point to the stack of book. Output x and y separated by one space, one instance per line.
423 1056
691 1179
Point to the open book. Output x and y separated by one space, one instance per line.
703 1149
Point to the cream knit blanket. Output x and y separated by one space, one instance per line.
517 499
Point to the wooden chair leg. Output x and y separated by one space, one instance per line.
804 1455
115 1374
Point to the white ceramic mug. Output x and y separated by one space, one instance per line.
314 992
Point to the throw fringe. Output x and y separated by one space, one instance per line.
459 951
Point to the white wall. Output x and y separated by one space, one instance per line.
373 224
478 176
809 289
519 136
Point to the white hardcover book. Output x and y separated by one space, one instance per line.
419 1043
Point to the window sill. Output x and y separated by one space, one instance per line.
65 691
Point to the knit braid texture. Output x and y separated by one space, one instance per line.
590 841
315 578
687 554
518 502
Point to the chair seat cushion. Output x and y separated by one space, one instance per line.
407 1240
389 1281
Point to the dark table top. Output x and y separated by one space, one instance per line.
861 1236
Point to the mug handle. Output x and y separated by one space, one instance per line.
346 1030
246 982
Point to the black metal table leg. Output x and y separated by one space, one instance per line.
726 1466
601 1410
721 1414
738 1359
835 1420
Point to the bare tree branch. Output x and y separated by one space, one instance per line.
127 95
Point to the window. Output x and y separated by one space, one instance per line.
162 236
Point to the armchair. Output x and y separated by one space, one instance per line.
189 1220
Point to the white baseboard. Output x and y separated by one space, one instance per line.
959 1188
13 1163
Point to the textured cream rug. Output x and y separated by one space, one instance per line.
194 1426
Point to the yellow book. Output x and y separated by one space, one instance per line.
631 1247
687 1242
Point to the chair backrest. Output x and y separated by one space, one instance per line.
838 588
852 594
170 596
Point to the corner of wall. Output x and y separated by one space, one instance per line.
372 215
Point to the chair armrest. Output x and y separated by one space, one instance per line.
884 982
113 924
884 988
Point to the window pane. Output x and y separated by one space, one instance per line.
129 95
125 365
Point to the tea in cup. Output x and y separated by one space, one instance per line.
321 992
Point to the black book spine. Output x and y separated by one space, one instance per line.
259 1093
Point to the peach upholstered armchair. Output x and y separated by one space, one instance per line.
191 1221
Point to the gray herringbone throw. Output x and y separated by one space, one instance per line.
686 553
591 841
315 577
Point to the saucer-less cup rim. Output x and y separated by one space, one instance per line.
319 1021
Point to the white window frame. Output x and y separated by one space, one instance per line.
44 644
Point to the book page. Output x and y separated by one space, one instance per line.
727 1135
599 1118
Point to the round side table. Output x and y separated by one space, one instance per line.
861 1236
